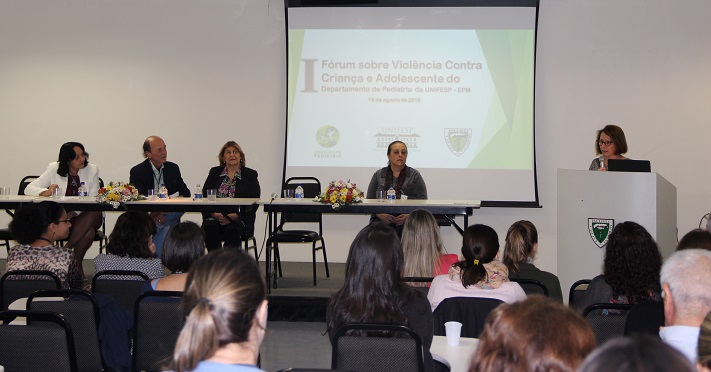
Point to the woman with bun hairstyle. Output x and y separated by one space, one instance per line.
480 274
520 251
225 311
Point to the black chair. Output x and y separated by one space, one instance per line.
158 320
124 286
377 348
81 311
312 187
44 344
531 286
422 284
470 311
5 234
576 294
22 283
607 320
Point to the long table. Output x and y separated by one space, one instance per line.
463 208
179 204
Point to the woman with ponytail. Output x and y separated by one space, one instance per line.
225 310
480 274
520 251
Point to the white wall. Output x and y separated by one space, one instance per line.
200 73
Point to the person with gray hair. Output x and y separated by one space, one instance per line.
686 292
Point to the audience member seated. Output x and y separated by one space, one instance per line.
184 244
703 363
686 291
630 268
696 238
373 293
520 251
231 179
480 274
639 353
36 227
536 334
71 169
422 247
225 310
130 247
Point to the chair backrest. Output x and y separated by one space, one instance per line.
576 293
44 343
531 286
376 348
158 320
607 320
422 284
24 182
81 311
124 286
22 283
470 311
312 187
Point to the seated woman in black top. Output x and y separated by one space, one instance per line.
231 179
373 292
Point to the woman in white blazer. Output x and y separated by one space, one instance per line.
66 174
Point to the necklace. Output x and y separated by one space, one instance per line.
73 180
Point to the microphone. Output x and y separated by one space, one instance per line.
274 196
601 161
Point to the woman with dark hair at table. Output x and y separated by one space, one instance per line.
184 244
403 179
231 179
36 227
696 238
479 274
131 247
610 144
373 292
630 268
67 174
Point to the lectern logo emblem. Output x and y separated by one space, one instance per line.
600 229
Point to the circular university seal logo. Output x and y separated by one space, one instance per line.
327 136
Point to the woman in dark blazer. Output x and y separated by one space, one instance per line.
231 179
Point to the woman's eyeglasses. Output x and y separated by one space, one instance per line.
605 143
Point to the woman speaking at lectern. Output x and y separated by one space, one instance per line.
404 180
610 144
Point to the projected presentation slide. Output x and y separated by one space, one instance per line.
455 84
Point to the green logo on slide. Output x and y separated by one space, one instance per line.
600 230
327 136
458 139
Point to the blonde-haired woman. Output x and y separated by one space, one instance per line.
520 251
422 247
226 314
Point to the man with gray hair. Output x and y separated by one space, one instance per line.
686 289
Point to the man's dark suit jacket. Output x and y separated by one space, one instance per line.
142 178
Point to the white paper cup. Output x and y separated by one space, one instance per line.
453 330
212 195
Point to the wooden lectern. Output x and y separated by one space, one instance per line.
587 200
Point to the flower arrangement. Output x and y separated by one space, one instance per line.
339 193
117 193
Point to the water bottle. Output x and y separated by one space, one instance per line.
299 192
82 190
162 192
391 195
198 193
